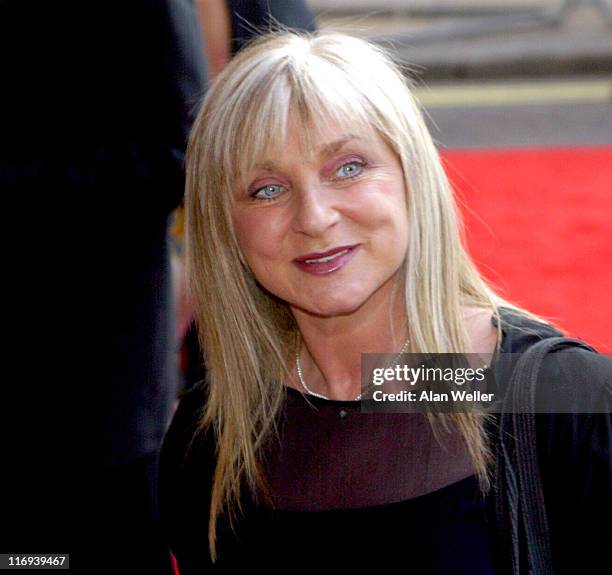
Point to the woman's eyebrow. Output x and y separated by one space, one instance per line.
332 147
267 165
324 151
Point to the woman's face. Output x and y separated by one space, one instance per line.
325 229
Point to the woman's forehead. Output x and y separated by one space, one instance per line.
312 141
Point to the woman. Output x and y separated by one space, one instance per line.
321 226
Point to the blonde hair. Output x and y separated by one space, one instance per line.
248 334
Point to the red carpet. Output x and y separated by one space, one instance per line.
539 225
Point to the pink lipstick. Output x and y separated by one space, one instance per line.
320 263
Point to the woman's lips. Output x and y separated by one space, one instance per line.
321 263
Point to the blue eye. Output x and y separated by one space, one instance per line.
349 170
269 192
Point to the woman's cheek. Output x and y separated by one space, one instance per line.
255 233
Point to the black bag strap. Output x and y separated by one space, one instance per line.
518 487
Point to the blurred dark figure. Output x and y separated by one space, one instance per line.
252 17
97 102
230 24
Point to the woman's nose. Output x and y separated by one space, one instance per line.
315 211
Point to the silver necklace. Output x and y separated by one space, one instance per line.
298 368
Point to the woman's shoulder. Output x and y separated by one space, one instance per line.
576 380
187 453
191 401
568 377
182 434
520 331
571 378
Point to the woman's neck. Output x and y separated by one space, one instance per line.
330 355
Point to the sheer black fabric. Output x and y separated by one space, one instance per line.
332 456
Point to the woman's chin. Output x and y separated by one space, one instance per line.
328 306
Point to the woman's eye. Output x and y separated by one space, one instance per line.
349 170
269 192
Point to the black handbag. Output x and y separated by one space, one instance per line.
519 498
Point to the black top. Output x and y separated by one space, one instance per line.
352 489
